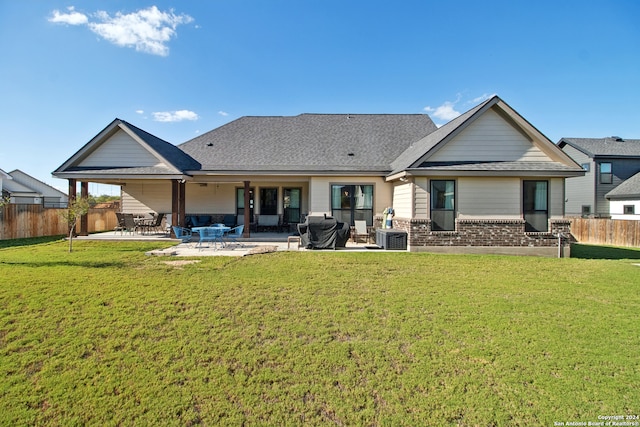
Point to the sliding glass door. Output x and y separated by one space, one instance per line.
535 206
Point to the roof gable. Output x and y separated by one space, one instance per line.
120 150
36 185
16 188
488 134
489 138
125 148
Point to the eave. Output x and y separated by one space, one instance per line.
297 173
510 173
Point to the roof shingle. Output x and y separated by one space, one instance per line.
613 146
309 142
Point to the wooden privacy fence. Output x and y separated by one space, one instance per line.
21 221
599 231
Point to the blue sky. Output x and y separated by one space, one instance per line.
181 68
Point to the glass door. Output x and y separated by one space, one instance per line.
240 205
291 204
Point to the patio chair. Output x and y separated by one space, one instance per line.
130 223
183 234
120 226
361 230
235 233
155 223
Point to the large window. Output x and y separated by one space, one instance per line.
443 205
535 205
291 205
268 201
352 202
606 175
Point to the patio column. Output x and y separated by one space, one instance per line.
84 219
177 203
247 211
72 195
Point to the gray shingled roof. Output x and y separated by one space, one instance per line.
13 186
176 157
612 146
309 142
629 188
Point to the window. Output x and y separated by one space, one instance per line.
443 197
535 202
291 205
351 202
268 201
240 204
629 209
606 177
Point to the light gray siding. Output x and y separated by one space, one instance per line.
580 190
421 198
498 198
403 200
120 151
490 137
556 198
143 197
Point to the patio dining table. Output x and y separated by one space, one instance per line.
213 233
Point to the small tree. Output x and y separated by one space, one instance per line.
72 214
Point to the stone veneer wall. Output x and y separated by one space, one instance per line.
479 232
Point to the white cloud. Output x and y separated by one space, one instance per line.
147 30
174 116
140 111
223 113
445 111
71 18
481 98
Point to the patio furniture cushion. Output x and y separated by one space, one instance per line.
268 221
197 220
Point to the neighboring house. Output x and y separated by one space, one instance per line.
25 189
624 200
486 179
3 176
607 162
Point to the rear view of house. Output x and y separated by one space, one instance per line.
488 180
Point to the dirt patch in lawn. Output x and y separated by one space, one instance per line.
262 250
181 263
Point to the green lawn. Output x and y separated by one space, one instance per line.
108 336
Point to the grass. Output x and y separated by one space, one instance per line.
108 336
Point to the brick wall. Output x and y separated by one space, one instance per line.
479 232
